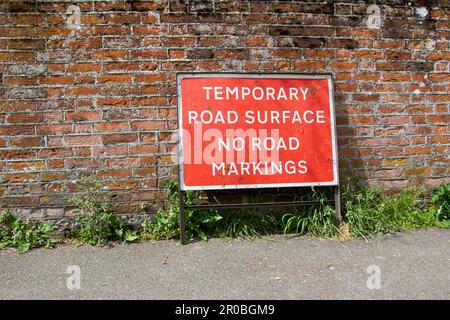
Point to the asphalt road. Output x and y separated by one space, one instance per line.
412 265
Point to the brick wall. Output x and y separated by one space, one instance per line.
101 100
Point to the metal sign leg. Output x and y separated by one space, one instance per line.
182 218
337 205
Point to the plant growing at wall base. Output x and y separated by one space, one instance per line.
167 226
316 220
95 224
24 235
368 211
441 200
247 223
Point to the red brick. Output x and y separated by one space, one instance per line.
144 149
50 129
149 54
111 54
84 115
115 78
57 80
397 55
27 165
367 76
343 65
401 120
122 162
439 98
17 56
368 54
84 67
442 118
25 117
109 139
439 76
113 102
148 78
19 177
19 81
52 176
111 173
147 125
18 44
83 91
232 53
309 65
86 140
396 77
315 54
111 126
95 43
439 55
283 53
366 97
121 66
441 139
153 101
364 120
417 150
27 142
399 98
389 66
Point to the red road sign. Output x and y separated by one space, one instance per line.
256 130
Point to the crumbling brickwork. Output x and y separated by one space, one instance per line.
92 92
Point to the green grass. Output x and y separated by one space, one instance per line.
246 223
368 211
315 220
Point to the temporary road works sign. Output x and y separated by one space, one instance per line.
256 130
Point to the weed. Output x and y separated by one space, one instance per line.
24 235
361 212
167 219
95 224
441 200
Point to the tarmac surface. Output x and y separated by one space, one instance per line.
407 265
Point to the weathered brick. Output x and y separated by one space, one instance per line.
109 139
84 115
115 78
200 54
439 77
85 140
19 177
25 117
27 142
84 67
27 165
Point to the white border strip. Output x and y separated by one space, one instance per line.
181 76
